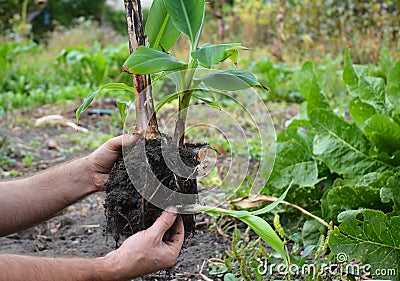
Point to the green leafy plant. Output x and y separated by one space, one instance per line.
345 165
27 160
167 20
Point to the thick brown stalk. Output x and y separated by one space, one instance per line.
145 113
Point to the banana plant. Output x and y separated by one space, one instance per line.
149 46
167 20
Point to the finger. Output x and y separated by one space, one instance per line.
129 140
116 143
176 234
168 233
164 222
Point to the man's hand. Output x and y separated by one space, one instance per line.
150 250
101 161
147 251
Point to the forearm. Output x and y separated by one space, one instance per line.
15 267
28 201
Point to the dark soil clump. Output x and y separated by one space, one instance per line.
150 171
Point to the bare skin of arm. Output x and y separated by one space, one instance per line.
147 251
28 201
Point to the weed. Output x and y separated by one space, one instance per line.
242 260
27 160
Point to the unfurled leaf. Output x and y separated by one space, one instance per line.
209 55
346 195
370 237
266 232
360 112
187 16
393 86
383 133
160 30
231 80
342 146
109 86
311 90
349 74
393 78
148 61
370 90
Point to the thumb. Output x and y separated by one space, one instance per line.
165 221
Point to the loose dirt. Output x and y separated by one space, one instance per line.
143 180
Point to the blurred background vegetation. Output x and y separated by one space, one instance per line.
59 50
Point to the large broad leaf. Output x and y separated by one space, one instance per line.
349 74
393 90
370 90
311 233
383 133
187 16
370 237
148 61
160 30
109 86
346 195
390 191
209 55
293 164
310 88
342 146
231 80
360 112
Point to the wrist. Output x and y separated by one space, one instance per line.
110 268
103 269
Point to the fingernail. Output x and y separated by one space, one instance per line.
172 210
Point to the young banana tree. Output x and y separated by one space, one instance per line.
149 58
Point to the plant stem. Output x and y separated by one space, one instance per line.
184 100
145 113
200 208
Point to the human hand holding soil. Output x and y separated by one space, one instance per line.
149 250
101 161
27 201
